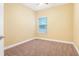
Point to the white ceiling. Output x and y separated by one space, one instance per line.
41 6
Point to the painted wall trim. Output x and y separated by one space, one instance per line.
43 39
36 38
54 40
18 43
60 42
76 48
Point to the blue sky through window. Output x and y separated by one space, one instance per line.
43 24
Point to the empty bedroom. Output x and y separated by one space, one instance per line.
41 29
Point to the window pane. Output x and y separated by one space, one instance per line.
43 24
43 21
43 30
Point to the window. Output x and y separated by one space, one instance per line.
43 24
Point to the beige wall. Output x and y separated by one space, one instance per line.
19 23
76 24
60 21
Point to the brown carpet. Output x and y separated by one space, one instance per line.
39 47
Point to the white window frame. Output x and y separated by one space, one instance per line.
38 26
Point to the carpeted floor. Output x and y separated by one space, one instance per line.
39 47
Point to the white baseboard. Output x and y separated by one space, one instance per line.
43 39
18 43
54 40
60 42
76 48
